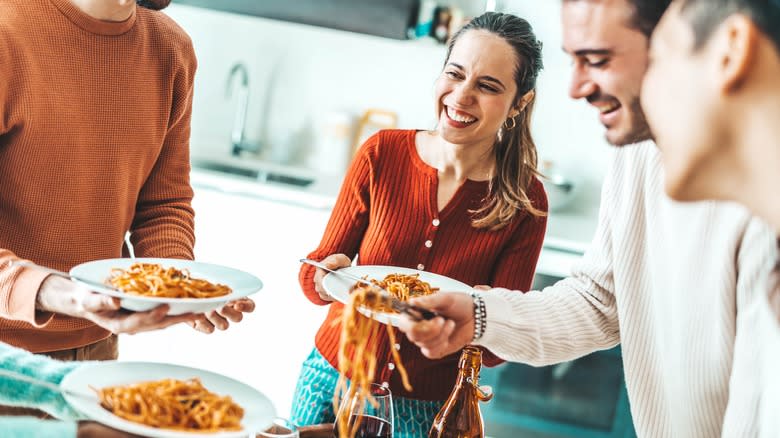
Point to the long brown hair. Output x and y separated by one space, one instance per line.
514 149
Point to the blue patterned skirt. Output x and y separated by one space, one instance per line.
313 401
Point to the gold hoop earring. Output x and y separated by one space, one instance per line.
506 124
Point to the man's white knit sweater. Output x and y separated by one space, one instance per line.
768 313
666 280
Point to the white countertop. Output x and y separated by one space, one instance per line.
568 232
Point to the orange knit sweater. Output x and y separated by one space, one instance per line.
387 213
94 139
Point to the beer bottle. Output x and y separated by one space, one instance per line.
460 416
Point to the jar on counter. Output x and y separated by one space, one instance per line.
332 143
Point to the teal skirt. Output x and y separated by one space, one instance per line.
313 401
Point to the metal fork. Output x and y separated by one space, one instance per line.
44 384
93 284
417 313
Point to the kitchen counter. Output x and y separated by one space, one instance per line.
568 232
568 237
237 176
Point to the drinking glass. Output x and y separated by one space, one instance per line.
375 420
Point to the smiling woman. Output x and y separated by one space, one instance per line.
462 201
486 102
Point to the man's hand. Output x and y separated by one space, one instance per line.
218 319
447 333
333 261
63 296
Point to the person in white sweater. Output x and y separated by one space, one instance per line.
668 281
717 66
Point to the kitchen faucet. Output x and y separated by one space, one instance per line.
237 139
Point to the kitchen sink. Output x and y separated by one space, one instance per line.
261 175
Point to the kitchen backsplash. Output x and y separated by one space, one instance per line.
299 76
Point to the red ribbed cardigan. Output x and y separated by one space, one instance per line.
386 212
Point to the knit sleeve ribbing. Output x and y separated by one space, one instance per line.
754 260
18 286
19 291
517 264
571 318
349 218
5 81
163 225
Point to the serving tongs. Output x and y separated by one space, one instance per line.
417 313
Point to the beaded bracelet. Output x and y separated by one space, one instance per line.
480 316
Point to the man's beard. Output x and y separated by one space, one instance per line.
640 130
154 4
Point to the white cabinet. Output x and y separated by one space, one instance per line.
266 238
254 234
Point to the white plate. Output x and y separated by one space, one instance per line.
242 284
258 409
339 287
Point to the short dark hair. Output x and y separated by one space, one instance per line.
646 14
706 15
154 4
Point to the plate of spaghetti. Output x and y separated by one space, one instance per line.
403 283
186 286
167 401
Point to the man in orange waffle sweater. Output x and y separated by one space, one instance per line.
95 105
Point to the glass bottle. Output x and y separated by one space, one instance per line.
460 416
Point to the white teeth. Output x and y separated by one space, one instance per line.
458 118
608 108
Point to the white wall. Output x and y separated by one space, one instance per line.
566 131
298 73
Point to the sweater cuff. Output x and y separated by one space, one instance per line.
499 317
16 392
21 303
20 427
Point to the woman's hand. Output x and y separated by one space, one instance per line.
452 330
89 429
218 319
59 295
333 261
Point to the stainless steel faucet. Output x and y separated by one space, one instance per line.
237 137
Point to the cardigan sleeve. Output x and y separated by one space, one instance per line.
349 218
517 264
